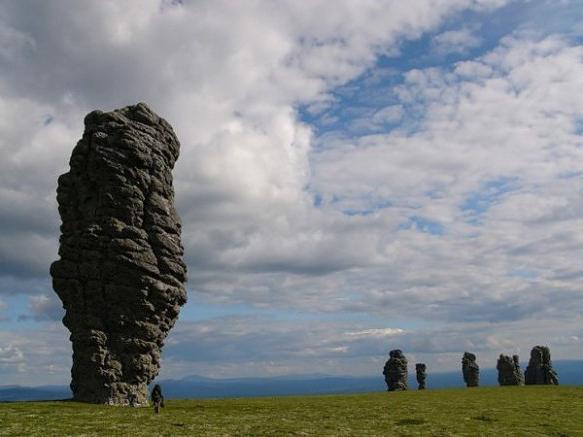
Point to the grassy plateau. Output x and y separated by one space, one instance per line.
497 411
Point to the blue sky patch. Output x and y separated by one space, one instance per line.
477 203
425 225
523 273
356 106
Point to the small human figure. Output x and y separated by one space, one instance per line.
157 398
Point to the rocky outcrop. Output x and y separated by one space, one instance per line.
395 371
540 367
470 370
509 372
120 274
421 373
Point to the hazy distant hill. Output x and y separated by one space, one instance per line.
570 373
45 393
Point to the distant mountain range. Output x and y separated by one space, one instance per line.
570 373
9 393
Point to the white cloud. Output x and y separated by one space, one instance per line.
379 332
230 77
456 41
43 307
10 355
389 114
519 122
239 347
34 357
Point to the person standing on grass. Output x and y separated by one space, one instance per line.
157 398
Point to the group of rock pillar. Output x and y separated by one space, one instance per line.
395 372
539 371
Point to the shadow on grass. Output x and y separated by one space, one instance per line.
484 418
405 422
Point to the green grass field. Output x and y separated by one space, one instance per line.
499 411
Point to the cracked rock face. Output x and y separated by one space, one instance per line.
470 370
540 367
421 373
395 371
509 372
120 274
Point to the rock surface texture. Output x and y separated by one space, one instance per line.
120 274
395 371
470 370
421 371
540 367
509 372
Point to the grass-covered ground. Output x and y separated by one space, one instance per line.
499 411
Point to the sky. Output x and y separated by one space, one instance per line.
355 176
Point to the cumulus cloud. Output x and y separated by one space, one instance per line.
240 346
518 123
228 77
454 197
34 357
11 355
43 307
378 332
456 41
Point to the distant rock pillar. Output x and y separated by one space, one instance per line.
470 370
540 368
395 371
509 372
420 370
120 274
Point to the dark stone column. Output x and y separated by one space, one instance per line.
509 372
420 370
540 368
470 370
395 371
120 274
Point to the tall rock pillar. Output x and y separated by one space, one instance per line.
470 370
120 274
395 371
540 367
509 372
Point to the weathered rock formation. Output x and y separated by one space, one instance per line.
509 372
120 274
540 367
395 371
470 370
421 371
